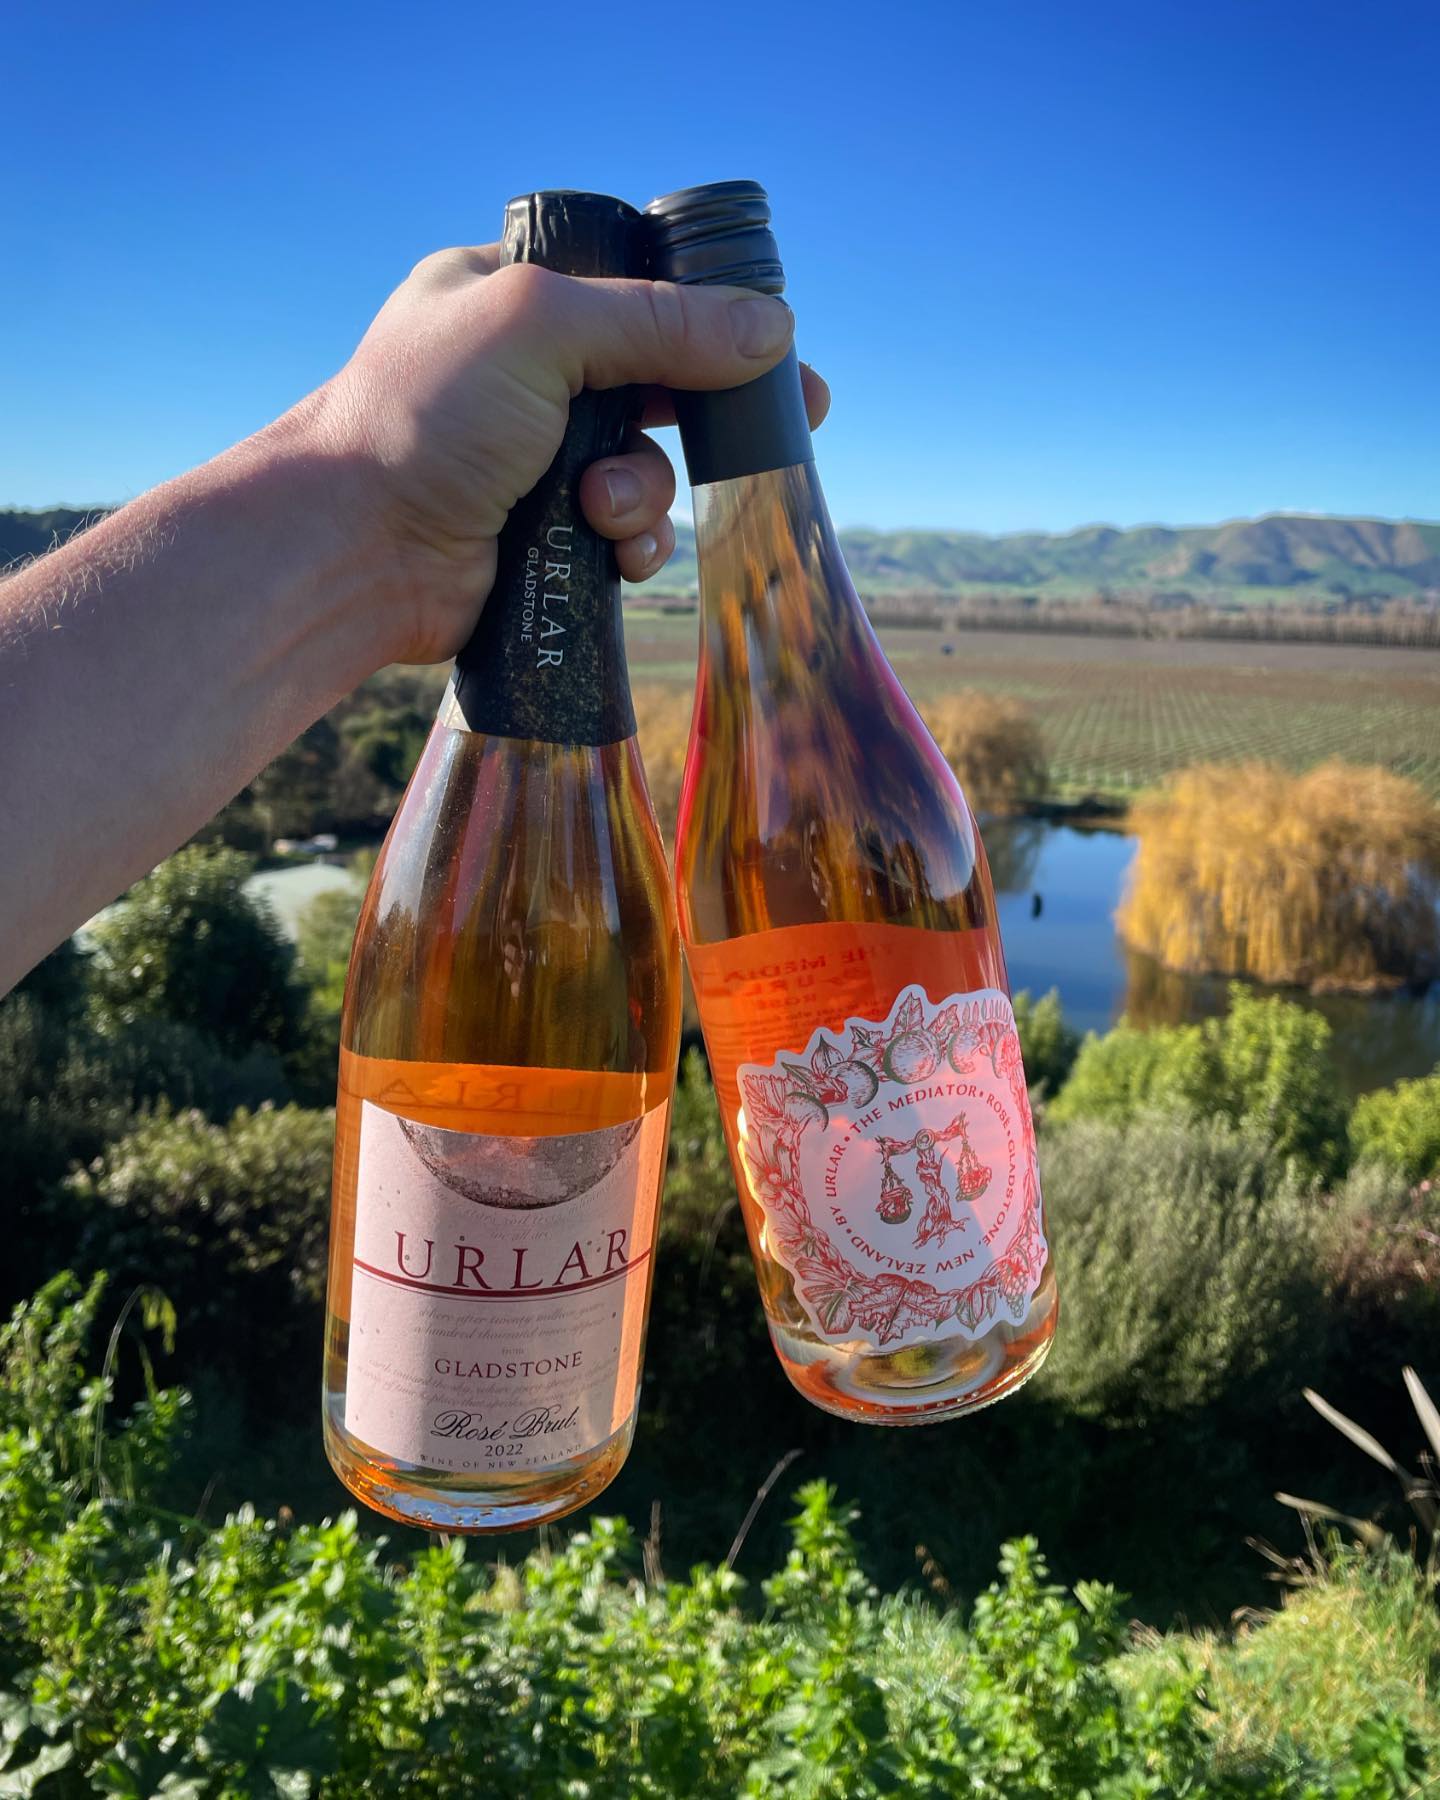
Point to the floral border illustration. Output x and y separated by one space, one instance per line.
912 1045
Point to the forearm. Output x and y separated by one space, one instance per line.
150 668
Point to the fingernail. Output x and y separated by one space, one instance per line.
761 325
623 488
647 546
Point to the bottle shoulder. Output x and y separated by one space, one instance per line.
521 911
827 810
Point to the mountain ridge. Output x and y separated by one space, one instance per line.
1303 558
1314 558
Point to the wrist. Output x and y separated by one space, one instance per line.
310 501
413 599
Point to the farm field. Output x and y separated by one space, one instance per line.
1118 715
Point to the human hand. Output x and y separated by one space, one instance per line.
456 400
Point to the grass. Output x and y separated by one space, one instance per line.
1356 1636
1118 714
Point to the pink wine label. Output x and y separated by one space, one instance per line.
895 1164
497 1309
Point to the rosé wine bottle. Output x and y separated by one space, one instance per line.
509 1035
839 925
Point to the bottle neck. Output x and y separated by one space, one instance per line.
779 615
747 430
547 660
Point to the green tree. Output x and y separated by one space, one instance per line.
325 931
1400 1126
294 794
1047 1044
1266 1064
386 741
188 944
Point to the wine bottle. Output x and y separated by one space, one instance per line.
510 1034
839 924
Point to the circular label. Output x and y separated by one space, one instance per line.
895 1165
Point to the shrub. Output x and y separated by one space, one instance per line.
1047 1044
298 787
1329 878
66 1092
322 957
994 746
1400 1126
1186 1258
1265 1064
1379 1258
188 945
1346 1667
228 1220
257 1658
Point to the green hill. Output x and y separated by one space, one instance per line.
1298 557
1314 560
25 533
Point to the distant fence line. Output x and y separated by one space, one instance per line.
1401 627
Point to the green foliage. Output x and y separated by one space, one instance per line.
385 740
346 773
295 789
1187 1268
1356 1640
187 945
228 1220
66 1091
1277 1073
1400 1126
1265 1064
322 957
142 1654
1047 1044
1379 1255
322 944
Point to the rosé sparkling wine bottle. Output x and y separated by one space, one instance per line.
839 925
510 1034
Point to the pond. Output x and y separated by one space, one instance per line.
1057 887
290 890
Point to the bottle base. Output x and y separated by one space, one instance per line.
923 1386
443 1501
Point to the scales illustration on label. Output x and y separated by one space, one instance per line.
895 1164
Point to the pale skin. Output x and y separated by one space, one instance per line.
153 666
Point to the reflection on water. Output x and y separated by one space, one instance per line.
1068 942
290 890
1013 847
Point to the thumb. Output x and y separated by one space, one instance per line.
609 333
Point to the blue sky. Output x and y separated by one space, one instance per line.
1060 262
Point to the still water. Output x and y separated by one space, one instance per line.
290 890
1057 888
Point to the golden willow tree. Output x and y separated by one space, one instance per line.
994 746
1328 879
992 743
